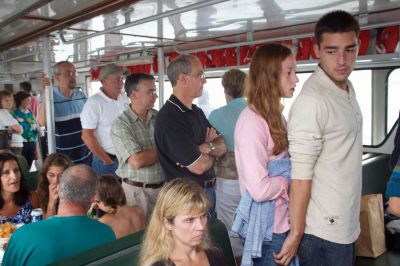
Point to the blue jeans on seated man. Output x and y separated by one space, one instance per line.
104 169
211 194
273 246
317 251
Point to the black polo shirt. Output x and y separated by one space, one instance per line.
178 132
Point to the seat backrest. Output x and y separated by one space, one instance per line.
123 251
375 174
31 180
220 237
126 250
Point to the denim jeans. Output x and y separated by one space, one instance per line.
102 169
314 251
211 194
273 246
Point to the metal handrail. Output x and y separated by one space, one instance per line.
274 39
19 56
144 20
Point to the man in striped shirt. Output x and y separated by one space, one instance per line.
68 102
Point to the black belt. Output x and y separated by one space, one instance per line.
209 183
142 185
112 156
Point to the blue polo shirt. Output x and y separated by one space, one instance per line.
224 120
68 128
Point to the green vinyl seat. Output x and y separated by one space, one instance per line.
126 250
123 251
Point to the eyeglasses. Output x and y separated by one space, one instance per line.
152 92
69 74
200 75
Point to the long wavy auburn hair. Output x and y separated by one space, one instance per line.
180 196
55 159
263 90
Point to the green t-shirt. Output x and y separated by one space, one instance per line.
54 239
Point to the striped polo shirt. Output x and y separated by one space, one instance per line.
68 129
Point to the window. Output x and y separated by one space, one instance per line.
362 83
213 95
287 102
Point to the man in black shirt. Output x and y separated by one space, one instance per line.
187 144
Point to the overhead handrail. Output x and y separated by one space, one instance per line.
19 56
274 39
144 20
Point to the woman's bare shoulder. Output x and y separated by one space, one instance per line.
136 215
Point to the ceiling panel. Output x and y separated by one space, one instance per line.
58 9
10 8
221 23
20 27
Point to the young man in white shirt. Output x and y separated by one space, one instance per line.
325 144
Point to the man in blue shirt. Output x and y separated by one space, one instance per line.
68 103
67 234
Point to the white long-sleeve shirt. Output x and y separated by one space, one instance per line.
325 144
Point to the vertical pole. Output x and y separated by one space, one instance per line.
160 57
51 139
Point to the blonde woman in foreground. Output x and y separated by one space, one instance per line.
177 232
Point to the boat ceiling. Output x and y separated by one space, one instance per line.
90 30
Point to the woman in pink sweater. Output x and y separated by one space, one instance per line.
261 137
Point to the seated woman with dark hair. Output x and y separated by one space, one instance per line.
16 202
177 232
49 178
110 198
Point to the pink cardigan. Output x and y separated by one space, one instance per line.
253 151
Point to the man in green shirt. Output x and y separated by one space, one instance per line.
67 234
133 136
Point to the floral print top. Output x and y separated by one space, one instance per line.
28 123
22 216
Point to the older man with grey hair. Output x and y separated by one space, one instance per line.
68 101
187 144
67 234
97 117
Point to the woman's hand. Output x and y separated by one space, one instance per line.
288 251
53 194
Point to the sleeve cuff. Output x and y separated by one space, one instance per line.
302 171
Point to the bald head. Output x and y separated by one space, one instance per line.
78 184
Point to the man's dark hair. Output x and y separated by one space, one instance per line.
338 21
132 82
26 86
